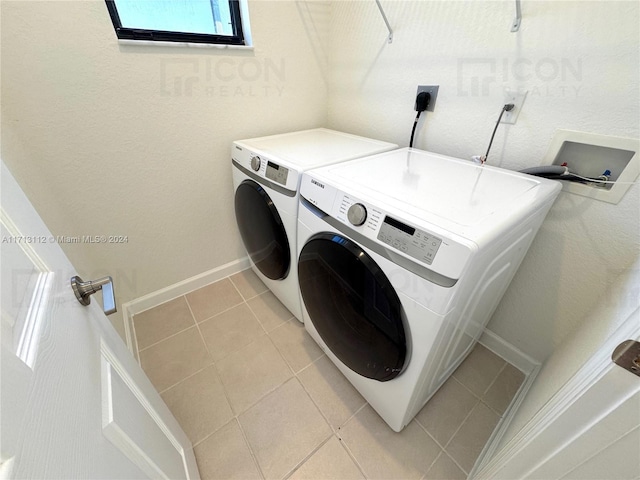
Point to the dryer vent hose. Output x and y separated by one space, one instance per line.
547 171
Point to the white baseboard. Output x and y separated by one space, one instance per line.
153 299
508 352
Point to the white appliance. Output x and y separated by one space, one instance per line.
402 259
266 178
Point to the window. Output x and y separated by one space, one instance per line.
191 21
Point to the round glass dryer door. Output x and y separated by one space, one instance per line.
262 230
353 306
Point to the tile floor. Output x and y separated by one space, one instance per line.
259 399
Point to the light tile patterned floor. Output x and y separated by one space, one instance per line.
259 399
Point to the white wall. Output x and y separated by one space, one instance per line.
135 141
580 63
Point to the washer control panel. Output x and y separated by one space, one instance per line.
277 173
258 164
416 243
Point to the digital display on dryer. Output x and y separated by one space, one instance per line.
416 243
277 173
399 225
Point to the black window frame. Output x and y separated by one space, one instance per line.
128 33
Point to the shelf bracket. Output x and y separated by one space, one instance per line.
515 25
384 17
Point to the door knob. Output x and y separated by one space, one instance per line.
84 290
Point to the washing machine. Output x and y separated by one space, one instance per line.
402 259
266 178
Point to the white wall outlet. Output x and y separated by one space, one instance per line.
517 98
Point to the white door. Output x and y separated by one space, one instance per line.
74 402
589 428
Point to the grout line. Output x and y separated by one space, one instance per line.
260 322
199 331
255 315
170 336
467 416
226 394
160 392
457 464
353 415
314 362
193 317
424 477
456 433
351 455
251 452
215 315
311 454
238 288
233 285
166 338
489 388
465 387
443 450
295 374
313 401
494 379
428 433
420 426
269 392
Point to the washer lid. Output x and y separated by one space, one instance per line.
315 148
427 184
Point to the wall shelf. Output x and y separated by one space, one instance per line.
384 17
515 25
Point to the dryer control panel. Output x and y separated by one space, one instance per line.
428 245
415 243
410 240
277 173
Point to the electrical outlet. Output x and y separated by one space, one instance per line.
431 90
517 98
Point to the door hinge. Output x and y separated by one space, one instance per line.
627 356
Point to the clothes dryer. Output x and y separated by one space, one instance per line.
402 259
266 178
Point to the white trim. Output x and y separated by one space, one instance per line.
508 352
246 23
153 299
150 43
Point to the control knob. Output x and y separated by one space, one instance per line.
255 163
357 214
